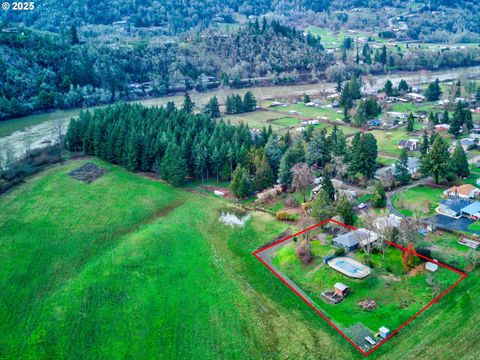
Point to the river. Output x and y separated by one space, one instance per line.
43 133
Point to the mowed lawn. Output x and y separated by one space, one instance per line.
128 267
421 199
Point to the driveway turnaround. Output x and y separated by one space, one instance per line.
448 223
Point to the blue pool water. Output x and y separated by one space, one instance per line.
348 266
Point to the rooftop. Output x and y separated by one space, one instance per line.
456 204
472 209
340 286
464 189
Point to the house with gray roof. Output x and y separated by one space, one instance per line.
472 211
351 240
453 207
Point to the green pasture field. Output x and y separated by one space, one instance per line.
387 141
332 40
310 111
257 119
128 267
419 198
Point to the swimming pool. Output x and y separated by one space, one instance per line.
349 267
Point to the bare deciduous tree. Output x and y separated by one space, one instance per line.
58 129
302 178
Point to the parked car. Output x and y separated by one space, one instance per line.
362 206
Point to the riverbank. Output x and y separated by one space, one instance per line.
36 131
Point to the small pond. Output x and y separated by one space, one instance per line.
234 218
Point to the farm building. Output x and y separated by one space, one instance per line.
465 191
351 240
410 144
341 289
384 332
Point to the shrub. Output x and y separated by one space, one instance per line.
424 252
340 252
304 253
285 216
290 201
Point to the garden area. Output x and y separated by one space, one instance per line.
397 292
421 198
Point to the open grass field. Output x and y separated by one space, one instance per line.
332 40
424 107
387 141
128 267
399 295
422 199
309 111
257 119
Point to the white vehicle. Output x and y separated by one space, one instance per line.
362 206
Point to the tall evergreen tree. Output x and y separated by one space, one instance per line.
327 185
241 182
173 167
188 104
345 210
433 91
437 161
402 173
410 123
379 199
388 88
249 102
212 108
274 153
318 150
322 207
74 35
293 155
425 143
460 162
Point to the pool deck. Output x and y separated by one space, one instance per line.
361 272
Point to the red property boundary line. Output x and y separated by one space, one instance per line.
463 276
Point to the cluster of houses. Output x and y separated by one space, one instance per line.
460 202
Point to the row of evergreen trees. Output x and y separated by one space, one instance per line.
175 143
235 104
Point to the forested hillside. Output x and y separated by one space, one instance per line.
173 17
45 71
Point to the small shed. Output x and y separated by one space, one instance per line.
384 332
341 289
430 266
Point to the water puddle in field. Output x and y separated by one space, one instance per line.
230 218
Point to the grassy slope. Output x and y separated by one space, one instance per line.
124 267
